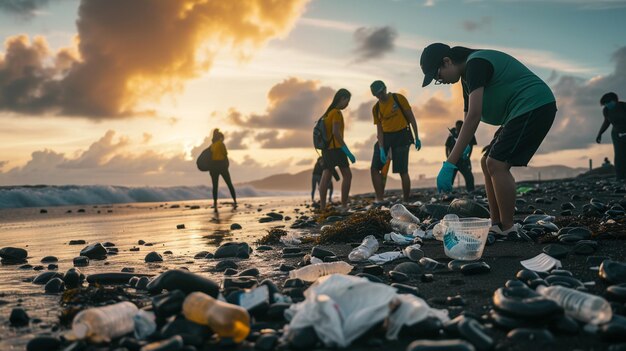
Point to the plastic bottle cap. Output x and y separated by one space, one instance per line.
80 330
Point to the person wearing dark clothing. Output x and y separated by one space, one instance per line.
220 167
318 169
465 163
614 112
497 90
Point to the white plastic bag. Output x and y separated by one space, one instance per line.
385 257
398 238
412 310
341 308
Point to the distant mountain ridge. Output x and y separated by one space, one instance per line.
361 179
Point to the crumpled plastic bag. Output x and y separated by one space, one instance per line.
412 310
385 257
398 238
291 239
341 308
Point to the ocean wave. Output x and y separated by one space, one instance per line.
44 195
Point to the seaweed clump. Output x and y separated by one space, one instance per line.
356 227
272 237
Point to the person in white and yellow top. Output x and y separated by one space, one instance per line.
219 167
337 153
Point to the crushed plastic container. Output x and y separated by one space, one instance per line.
465 238
403 227
368 247
398 211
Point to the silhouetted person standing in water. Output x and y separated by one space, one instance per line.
220 167
614 112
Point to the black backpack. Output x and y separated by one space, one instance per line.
320 140
205 160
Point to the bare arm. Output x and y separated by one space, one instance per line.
411 118
605 126
472 119
380 135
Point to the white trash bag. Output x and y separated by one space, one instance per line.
341 308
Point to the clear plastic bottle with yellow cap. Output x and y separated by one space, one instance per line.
225 319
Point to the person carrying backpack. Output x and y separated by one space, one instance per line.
219 167
392 117
498 90
335 152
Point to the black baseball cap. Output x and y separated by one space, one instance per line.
432 57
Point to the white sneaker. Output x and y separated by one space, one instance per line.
496 231
516 233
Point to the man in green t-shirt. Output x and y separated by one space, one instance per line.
498 90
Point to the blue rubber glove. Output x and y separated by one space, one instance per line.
418 144
348 153
444 179
383 155
466 152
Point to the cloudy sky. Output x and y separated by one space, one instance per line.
126 92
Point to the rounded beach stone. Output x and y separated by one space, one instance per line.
13 254
250 272
233 249
153 257
409 268
72 278
524 303
541 336
321 253
472 331
94 251
406 289
475 268
613 271
223 265
373 269
428 264
54 286
45 277
616 293
230 271
398 276
77 242
556 251
49 259
440 345
182 280
19 317
455 265
43 343
235 226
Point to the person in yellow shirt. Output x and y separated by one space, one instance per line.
219 167
337 153
392 117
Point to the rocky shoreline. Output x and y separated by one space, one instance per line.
587 236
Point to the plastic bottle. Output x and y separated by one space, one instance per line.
438 231
311 272
145 324
579 305
101 324
225 319
400 212
367 248
402 226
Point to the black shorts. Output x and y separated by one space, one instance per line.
334 158
517 141
399 155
